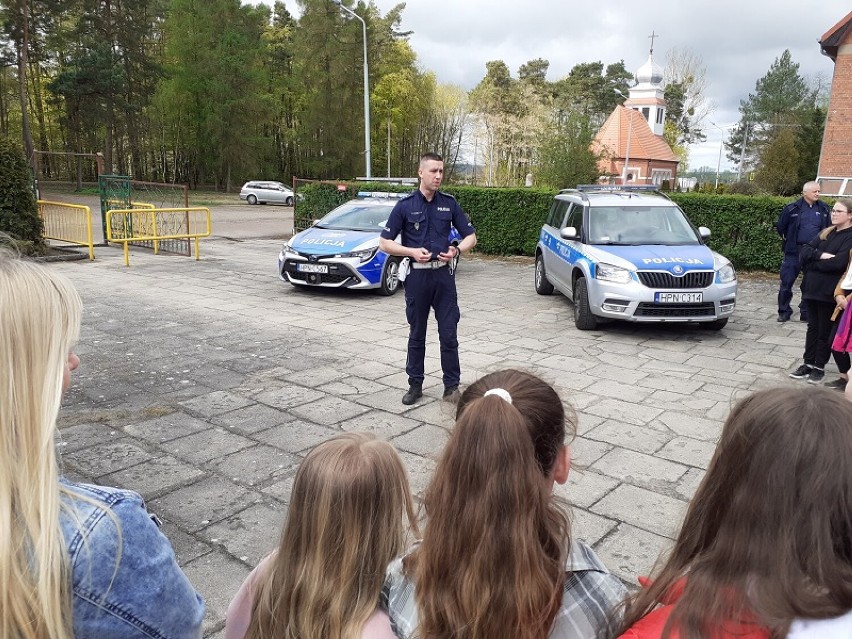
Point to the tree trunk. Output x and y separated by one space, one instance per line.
22 82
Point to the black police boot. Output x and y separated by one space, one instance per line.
415 392
451 394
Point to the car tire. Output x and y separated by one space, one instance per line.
289 201
715 325
251 199
542 285
390 277
584 319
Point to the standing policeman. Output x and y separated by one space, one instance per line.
423 220
798 224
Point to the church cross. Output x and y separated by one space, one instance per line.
652 36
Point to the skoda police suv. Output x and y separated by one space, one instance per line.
630 253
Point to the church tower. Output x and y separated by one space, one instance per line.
647 96
631 143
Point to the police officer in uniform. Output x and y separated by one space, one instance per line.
423 220
799 223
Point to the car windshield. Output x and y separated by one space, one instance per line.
640 225
359 216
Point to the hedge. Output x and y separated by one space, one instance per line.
508 220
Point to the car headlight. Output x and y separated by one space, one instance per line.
364 256
286 248
611 273
726 274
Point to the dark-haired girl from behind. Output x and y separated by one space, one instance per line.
765 550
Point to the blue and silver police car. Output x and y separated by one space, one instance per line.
630 253
341 250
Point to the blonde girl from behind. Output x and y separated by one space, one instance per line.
344 525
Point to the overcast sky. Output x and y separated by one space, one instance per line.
737 39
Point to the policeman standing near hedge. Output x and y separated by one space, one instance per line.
422 220
798 224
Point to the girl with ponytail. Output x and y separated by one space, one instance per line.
497 558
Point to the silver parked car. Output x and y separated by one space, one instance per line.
262 192
630 253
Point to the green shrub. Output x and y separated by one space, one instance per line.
508 220
742 227
19 217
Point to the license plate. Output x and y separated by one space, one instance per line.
315 268
678 298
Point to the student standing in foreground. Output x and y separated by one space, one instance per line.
76 560
798 224
764 549
422 220
497 558
344 525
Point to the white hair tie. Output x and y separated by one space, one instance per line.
502 393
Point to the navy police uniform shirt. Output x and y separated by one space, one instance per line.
427 224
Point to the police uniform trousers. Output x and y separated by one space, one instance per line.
426 289
790 270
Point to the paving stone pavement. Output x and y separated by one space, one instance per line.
204 383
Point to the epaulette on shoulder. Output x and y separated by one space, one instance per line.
445 194
405 197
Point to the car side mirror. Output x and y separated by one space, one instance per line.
568 233
704 232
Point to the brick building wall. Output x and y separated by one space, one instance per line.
836 154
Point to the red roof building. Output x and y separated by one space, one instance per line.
631 142
835 160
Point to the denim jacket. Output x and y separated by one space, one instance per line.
135 591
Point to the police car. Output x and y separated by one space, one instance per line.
341 250
630 253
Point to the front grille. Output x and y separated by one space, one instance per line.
661 279
649 309
337 274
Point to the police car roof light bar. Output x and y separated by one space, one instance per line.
387 195
617 187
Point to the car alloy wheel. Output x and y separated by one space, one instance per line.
390 277
542 286
584 319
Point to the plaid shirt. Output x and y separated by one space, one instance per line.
589 595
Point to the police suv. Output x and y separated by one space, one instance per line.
341 250
630 253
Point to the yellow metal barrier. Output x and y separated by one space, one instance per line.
140 225
70 223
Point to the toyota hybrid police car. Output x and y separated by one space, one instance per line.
630 253
341 250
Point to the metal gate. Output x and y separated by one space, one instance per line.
119 192
115 194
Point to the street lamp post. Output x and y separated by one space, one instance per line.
722 130
718 166
367 157
627 148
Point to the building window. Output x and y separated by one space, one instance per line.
658 175
660 113
647 113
